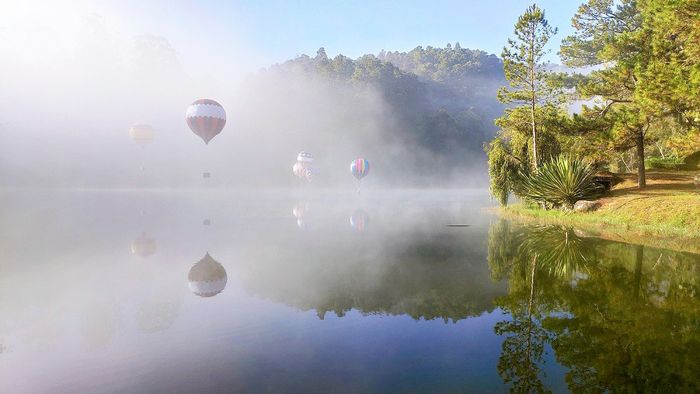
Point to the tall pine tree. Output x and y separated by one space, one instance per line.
526 71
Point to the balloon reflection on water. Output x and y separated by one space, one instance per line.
299 211
207 278
143 246
359 220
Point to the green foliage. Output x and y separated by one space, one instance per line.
526 73
624 318
692 161
560 182
441 99
471 75
672 81
460 82
609 35
669 163
510 153
560 252
502 170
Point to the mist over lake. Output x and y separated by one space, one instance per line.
349 197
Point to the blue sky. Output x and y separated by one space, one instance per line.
233 38
278 30
285 28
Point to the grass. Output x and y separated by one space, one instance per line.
665 214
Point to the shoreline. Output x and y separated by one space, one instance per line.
666 214
681 239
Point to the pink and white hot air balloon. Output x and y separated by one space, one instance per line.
303 167
302 171
206 118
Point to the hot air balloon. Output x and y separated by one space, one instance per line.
302 171
299 170
359 168
207 278
299 211
206 118
305 157
359 220
143 246
141 133
303 167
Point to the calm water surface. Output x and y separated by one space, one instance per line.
318 292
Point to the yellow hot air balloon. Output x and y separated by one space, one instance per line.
141 133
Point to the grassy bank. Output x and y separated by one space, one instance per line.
666 214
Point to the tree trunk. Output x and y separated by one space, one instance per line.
639 258
641 171
533 91
534 137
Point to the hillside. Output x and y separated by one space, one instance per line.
429 110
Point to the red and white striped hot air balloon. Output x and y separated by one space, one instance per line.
206 118
207 278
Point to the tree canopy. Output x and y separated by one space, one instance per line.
634 72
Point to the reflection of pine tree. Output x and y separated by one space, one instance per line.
622 318
523 347
634 326
529 256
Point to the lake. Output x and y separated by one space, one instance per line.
318 291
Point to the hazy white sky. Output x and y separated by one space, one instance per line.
75 74
232 36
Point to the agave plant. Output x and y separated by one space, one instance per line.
559 182
560 251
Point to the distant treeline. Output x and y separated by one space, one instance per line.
442 99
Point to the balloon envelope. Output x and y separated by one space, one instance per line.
207 278
359 220
141 133
206 118
299 210
302 170
143 246
298 169
305 157
359 168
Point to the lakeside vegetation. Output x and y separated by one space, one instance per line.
620 318
665 214
636 74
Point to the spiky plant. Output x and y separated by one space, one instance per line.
559 182
560 251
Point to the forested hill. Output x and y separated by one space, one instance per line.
459 79
429 103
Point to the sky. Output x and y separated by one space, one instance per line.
243 36
75 74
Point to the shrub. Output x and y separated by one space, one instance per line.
692 161
559 182
669 163
502 170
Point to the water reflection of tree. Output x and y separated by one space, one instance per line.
531 260
633 329
425 276
621 317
